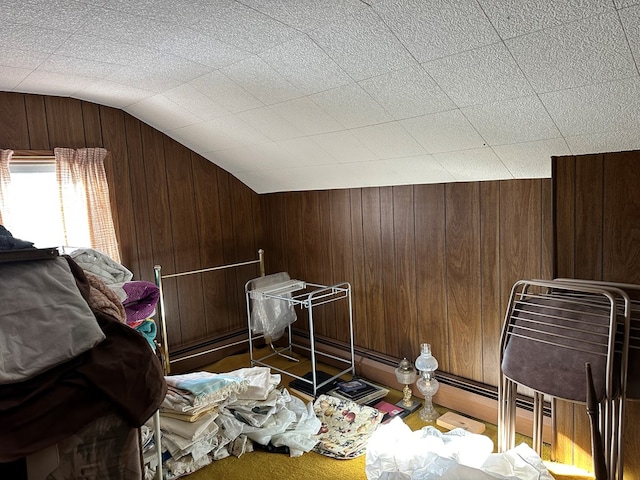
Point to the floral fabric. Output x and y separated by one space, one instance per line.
346 427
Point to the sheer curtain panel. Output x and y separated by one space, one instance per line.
5 178
84 199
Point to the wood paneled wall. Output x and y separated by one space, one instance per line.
597 205
172 206
427 263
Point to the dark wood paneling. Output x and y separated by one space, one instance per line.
463 279
431 266
588 225
493 301
358 282
37 123
14 133
404 286
64 122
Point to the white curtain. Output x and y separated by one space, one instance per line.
5 178
84 199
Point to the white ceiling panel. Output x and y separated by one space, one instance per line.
456 27
389 140
262 81
363 46
305 65
513 18
473 165
344 146
409 92
444 132
486 74
294 95
351 106
580 53
602 108
512 121
531 159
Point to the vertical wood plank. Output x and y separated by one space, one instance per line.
463 279
37 123
564 213
389 272
588 216
359 283
405 259
92 125
14 130
64 122
493 304
372 244
430 220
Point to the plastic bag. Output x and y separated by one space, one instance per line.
395 452
271 316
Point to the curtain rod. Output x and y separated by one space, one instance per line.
32 155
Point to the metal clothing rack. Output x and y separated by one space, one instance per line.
164 343
554 331
307 296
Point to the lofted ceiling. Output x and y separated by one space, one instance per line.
320 94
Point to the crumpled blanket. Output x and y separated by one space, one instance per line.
110 272
104 299
140 303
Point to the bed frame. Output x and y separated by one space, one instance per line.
163 344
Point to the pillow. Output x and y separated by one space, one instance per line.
44 319
346 427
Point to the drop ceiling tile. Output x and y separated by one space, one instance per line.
225 92
456 27
265 181
241 26
486 74
112 94
33 38
606 107
305 65
126 28
417 170
265 156
17 58
203 49
305 151
409 92
10 77
630 18
217 134
86 68
580 53
351 106
514 18
625 3
473 165
192 99
183 12
389 140
512 121
344 147
162 114
531 159
444 131
67 14
307 16
97 49
263 82
57 84
363 45
270 123
618 141
306 116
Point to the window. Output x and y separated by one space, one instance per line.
58 200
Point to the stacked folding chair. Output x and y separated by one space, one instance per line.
569 340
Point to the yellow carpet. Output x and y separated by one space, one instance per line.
262 465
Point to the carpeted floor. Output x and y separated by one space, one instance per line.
260 465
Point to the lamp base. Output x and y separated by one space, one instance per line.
428 413
413 405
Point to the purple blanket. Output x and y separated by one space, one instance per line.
141 301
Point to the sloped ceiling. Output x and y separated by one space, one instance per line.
318 94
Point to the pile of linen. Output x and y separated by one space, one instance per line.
209 416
